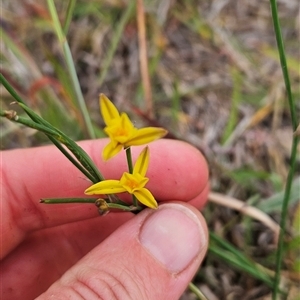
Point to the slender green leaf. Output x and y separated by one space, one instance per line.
285 204
232 256
71 67
115 40
69 15
274 203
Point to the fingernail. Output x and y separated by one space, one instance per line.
174 236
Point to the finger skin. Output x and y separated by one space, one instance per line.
49 253
121 267
177 171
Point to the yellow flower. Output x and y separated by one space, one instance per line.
132 183
121 131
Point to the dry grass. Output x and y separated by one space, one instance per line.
212 78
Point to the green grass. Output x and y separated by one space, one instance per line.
293 156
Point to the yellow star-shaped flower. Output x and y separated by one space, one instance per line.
132 183
121 131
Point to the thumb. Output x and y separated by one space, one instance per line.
152 256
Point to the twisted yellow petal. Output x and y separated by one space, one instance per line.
122 132
145 135
111 149
105 187
121 129
146 198
108 111
141 164
133 182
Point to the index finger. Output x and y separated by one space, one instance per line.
177 171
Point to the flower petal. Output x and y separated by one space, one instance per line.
120 129
111 149
141 164
133 182
127 124
145 136
105 187
146 198
108 110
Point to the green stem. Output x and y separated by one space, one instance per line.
72 160
227 246
130 169
129 160
86 201
122 207
79 153
68 17
71 67
116 36
67 200
28 123
196 291
284 68
283 217
76 84
10 89
232 260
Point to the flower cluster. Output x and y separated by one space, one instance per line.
121 131
123 135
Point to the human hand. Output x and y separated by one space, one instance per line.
80 255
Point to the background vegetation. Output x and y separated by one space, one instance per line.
209 72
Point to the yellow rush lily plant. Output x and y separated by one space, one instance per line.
132 183
122 133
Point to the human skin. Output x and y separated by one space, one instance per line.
39 242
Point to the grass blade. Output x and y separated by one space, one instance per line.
236 97
116 37
71 68
234 257
284 68
42 125
69 14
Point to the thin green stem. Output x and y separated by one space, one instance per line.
227 246
283 217
129 160
115 40
75 81
71 68
68 17
78 152
71 159
196 291
130 169
284 68
236 97
55 20
10 89
234 261
11 115
67 200
87 201
122 207
42 125
57 144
